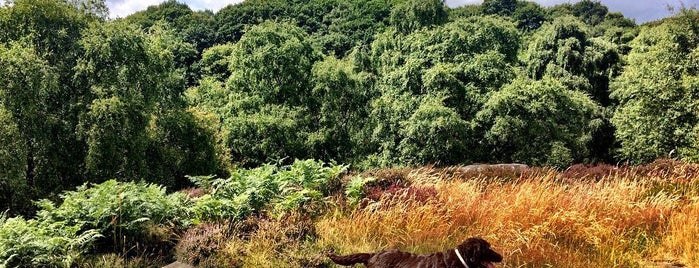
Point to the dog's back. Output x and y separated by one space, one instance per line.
388 258
353 259
474 253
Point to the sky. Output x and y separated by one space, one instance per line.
640 10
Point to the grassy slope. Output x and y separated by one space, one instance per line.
542 218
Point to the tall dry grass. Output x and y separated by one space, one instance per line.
620 217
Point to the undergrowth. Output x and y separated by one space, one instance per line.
293 216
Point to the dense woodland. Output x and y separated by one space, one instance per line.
169 92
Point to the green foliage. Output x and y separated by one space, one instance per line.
460 62
564 50
657 92
131 76
214 61
90 217
27 84
464 11
410 16
561 43
537 122
264 116
13 188
35 243
529 15
265 133
118 210
434 133
352 24
590 12
354 189
196 28
180 145
96 8
273 61
194 32
267 189
51 27
232 20
499 7
341 93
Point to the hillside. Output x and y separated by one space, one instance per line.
175 133
293 216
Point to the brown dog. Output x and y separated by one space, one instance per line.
472 253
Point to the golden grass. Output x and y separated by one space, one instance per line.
538 220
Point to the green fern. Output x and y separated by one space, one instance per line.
354 190
267 189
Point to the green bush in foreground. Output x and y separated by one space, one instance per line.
126 216
39 243
111 215
278 190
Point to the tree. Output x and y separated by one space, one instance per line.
499 7
214 62
25 84
196 28
341 91
273 61
51 27
434 133
564 50
14 195
264 115
410 16
51 30
657 112
529 15
194 32
590 12
180 145
352 24
128 74
461 62
232 20
96 8
537 122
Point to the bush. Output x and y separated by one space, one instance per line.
201 243
354 190
32 243
277 190
129 213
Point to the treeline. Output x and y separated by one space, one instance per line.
169 92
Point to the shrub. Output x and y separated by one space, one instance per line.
278 190
354 190
128 213
201 242
285 242
32 243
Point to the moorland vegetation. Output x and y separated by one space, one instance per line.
176 134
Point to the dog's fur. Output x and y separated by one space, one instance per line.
475 251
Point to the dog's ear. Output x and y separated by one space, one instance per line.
471 248
475 254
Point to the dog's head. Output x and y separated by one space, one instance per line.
477 253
